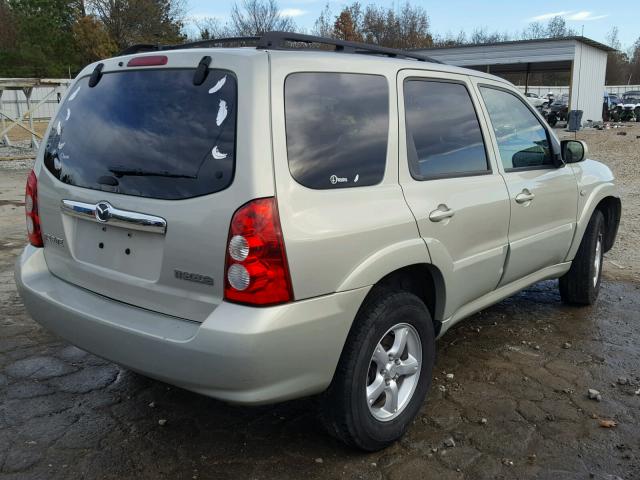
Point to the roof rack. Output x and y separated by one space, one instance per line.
280 41
214 42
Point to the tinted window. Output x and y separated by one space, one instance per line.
150 133
443 133
337 126
522 140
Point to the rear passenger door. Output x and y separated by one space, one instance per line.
449 179
543 194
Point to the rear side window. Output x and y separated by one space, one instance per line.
443 133
337 128
149 133
522 140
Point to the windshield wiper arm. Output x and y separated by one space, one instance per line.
139 172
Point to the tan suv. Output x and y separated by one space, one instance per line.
260 224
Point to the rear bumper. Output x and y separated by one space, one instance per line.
238 354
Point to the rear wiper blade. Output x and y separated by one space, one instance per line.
139 172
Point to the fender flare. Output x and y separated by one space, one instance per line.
598 194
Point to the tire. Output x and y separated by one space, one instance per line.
581 284
345 409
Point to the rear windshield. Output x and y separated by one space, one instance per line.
149 133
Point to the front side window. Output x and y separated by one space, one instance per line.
522 140
443 133
337 128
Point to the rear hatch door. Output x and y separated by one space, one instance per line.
137 187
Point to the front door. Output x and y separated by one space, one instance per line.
449 180
543 196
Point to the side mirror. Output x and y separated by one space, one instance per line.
573 151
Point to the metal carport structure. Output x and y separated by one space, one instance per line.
585 59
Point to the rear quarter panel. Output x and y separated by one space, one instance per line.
345 238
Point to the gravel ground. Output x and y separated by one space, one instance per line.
517 406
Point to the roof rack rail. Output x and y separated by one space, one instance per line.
213 42
279 41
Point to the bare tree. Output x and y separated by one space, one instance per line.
482 35
612 38
634 67
414 28
557 27
211 28
450 40
534 31
323 25
255 17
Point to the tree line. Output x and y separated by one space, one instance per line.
56 38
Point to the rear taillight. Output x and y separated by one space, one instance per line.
256 270
31 211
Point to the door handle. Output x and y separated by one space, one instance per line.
441 213
525 196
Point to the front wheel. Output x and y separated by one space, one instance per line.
581 284
384 372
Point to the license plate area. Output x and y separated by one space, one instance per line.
131 252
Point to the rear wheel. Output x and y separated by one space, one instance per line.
581 284
384 372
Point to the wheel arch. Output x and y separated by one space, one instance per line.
605 200
611 208
423 280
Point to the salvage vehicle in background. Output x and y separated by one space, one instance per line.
630 106
558 110
535 100
612 100
261 224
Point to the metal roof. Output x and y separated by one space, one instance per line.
577 38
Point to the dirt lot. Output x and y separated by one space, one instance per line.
524 365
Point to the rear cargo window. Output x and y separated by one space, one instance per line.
337 127
149 133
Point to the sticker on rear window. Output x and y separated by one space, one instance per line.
218 85
217 154
222 112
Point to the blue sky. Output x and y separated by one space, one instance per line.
597 17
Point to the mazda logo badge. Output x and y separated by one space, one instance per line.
103 212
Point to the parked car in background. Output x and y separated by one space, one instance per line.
630 103
263 224
549 97
535 100
558 110
612 100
